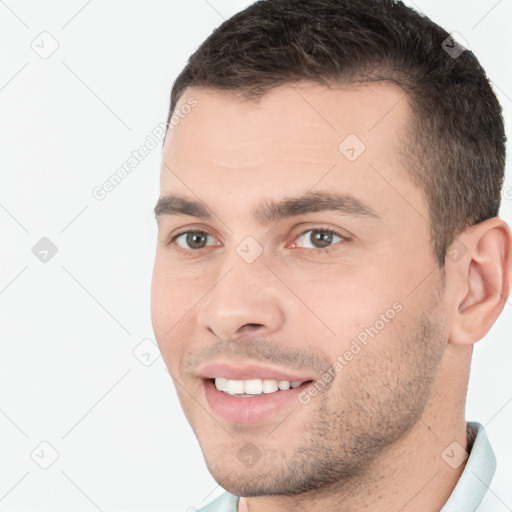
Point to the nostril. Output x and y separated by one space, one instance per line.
251 327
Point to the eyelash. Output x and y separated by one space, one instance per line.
196 252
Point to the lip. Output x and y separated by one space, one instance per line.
246 371
250 410
254 409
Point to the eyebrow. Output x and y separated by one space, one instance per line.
269 211
176 205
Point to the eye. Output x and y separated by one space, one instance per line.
318 238
193 239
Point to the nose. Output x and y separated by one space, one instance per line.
244 300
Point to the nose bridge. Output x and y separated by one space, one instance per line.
244 296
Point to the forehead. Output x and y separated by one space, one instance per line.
293 138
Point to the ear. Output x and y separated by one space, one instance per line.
480 279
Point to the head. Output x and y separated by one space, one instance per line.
328 214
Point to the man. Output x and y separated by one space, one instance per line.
329 251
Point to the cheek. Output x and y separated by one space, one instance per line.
365 315
172 309
346 298
160 301
173 292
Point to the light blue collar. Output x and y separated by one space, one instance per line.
477 475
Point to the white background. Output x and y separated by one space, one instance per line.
69 327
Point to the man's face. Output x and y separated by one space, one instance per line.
311 248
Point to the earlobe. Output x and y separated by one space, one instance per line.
483 280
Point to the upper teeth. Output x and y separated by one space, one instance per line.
253 386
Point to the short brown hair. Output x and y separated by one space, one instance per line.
456 146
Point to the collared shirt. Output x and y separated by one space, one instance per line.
466 497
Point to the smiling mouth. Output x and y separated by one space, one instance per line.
254 387
252 401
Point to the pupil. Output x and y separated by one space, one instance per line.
196 240
321 238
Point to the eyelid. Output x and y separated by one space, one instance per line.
174 236
193 232
193 228
325 229
171 239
